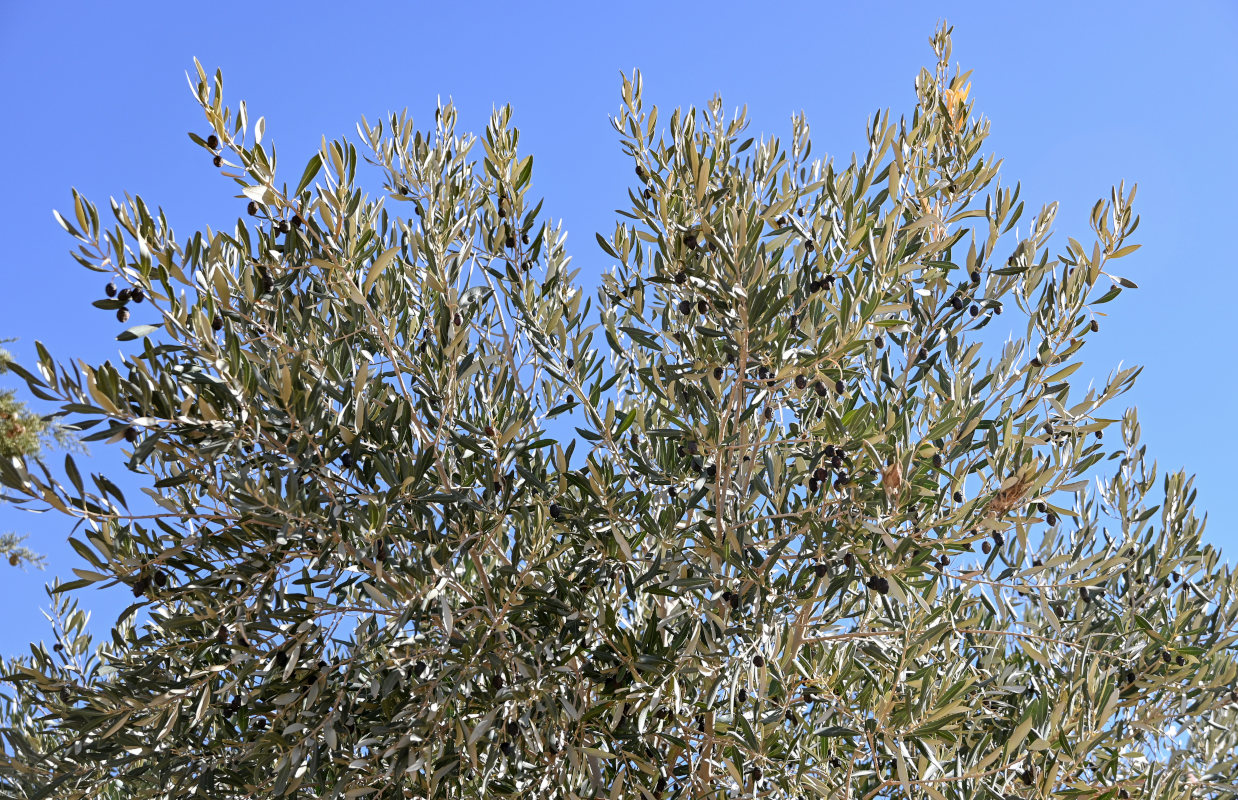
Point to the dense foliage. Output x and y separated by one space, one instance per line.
777 517
22 434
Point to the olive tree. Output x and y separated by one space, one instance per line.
22 433
802 504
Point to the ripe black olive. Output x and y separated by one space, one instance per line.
555 510
880 341
137 295
937 460
1095 326
122 314
252 208
839 386
685 307
124 294
131 434
975 276
702 306
758 661
819 388
958 497
821 570
681 277
212 141
800 381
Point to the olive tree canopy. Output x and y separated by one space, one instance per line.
786 510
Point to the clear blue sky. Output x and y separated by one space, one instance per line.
1081 95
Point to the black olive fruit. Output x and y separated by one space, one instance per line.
640 172
987 548
555 511
1095 326
131 435
849 560
122 314
702 306
212 141
819 388
880 341
124 294
742 696
1035 362
161 579
297 221
137 295
820 569
937 460
252 208
685 307
944 561
800 381
218 161
510 242
839 386
820 474
758 661
1051 519
524 238
813 485
878 584
958 497
457 320
957 303
975 276
513 728
110 290
681 277
974 310
346 459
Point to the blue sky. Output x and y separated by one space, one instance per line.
1081 96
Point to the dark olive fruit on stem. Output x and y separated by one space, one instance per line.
110 290
122 314
212 141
